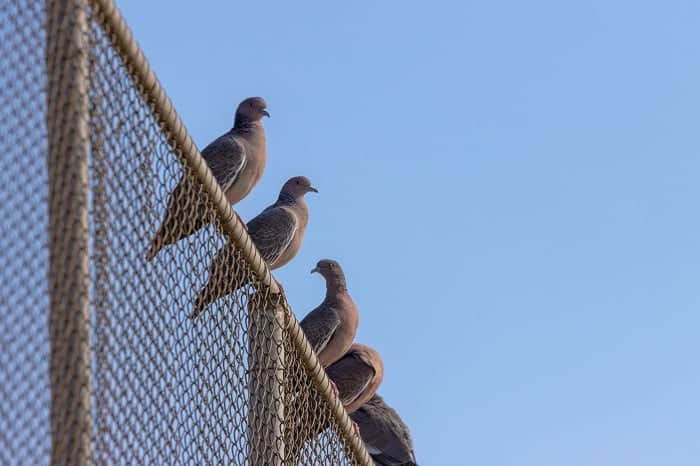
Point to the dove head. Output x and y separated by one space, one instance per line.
372 359
251 110
295 188
331 271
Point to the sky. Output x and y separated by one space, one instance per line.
511 188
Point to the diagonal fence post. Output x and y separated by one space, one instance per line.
69 279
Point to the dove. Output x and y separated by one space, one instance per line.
357 375
277 232
384 434
331 327
236 159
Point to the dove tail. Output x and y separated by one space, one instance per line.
152 252
157 243
200 305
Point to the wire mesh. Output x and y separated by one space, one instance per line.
100 363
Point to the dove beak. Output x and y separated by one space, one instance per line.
315 269
312 189
266 113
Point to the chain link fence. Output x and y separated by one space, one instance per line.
100 363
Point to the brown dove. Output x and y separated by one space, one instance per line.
277 232
384 433
357 375
331 327
236 159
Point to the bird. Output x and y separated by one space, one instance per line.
357 375
331 327
384 433
236 159
277 232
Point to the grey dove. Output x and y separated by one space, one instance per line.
236 159
331 327
357 375
277 232
384 433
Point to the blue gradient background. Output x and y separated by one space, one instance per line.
512 188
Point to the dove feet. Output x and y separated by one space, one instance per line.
334 389
240 219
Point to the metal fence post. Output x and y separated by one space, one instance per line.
266 384
69 279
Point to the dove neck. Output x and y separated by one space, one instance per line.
245 125
336 286
289 199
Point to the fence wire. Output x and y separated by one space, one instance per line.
100 363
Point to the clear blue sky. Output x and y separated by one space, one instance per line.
512 188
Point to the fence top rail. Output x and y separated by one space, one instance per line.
149 87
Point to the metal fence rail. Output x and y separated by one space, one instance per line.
99 362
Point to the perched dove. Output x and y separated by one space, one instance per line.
331 327
236 159
277 232
357 375
384 434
